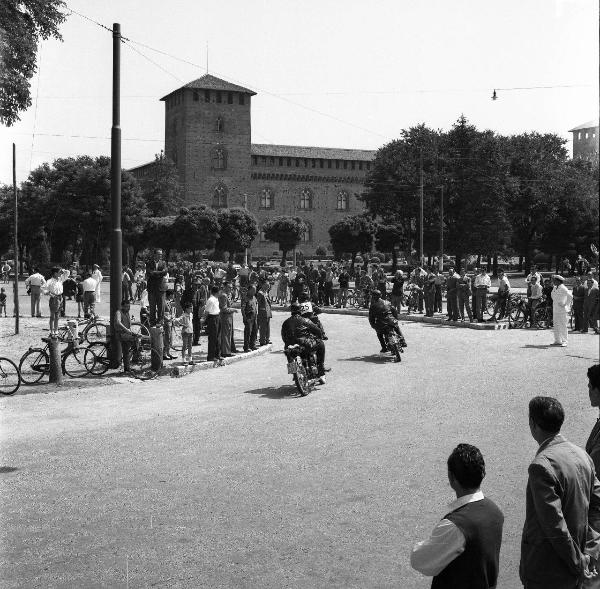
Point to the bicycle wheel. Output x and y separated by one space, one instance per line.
10 381
96 358
518 320
95 332
140 329
73 363
176 339
540 318
33 365
140 361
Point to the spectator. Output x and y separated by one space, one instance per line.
34 283
440 279
592 446
5 272
582 265
213 324
89 295
124 332
79 296
328 286
97 276
250 315
463 550
502 296
452 294
429 294
196 296
187 332
418 277
69 291
366 285
482 286
264 315
561 302
565 267
590 308
54 289
227 311
2 301
380 280
534 297
168 319
397 294
533 272
579 294
283 286
464 295
156 279
562 503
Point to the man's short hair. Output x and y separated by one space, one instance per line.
125 303
55 270
214 290
467 465
593 374
547 413
169 292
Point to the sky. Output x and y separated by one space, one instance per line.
331 73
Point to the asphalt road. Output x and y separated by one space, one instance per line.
225 479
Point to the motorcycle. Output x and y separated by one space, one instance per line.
303 368
394 344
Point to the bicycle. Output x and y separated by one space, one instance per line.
412 300
10 378
94 329
35 363
140 358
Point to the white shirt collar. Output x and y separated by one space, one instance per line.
457 503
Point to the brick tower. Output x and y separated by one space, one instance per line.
207 135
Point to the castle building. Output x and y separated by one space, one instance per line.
208 137
585 141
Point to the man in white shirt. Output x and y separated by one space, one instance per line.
482 286
97 276
35 283
463 549
89 286
533 272
561 305
54 289
213 324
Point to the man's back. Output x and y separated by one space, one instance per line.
563 497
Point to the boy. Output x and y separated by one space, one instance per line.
169 316
2 301
54 289
124 333
187 332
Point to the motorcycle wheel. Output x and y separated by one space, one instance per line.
301 379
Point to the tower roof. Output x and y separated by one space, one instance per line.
588 125
208 82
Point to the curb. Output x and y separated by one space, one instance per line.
414 318
178 370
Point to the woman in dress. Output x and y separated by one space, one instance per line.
97 276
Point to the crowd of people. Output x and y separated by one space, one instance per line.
560 545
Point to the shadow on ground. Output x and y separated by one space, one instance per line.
276 392
538 347
374 359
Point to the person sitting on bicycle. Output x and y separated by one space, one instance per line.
124 333
382 317
299 330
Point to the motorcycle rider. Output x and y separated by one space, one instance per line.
301 330
382 317
311 311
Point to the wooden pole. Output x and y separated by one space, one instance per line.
116 243
442 229
56 375
421 253
16 242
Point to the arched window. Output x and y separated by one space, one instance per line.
220 196
307 235
219 158
306 199
266 198
342 201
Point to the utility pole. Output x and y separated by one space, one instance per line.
16 241
441 228
245 195
116 242
421 254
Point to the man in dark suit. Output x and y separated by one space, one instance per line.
452 295
592 446
264 314
590 307
250 316
156 278
560 542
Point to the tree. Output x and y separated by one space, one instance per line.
238 228
388 238
161 189
286 231
353 234
22 25
320 252
195 228
158 232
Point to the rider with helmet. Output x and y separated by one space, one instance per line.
382 317
298 329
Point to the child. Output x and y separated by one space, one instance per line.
534 296
169 316
187 332
2 301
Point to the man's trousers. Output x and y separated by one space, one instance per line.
437 305
156 306
452 303
429 303
464 304
250 332
35 301
561 331
480 303
227 344
213 327
264 329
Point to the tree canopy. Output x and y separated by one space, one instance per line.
237 229
286 231
22 25
352 234
161 188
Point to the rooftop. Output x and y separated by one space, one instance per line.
326 153
208 82
588 125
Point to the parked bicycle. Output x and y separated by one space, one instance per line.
10 379
90 330
35 363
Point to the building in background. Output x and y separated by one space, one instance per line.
208 137
585 141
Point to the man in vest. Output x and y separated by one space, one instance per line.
464 548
